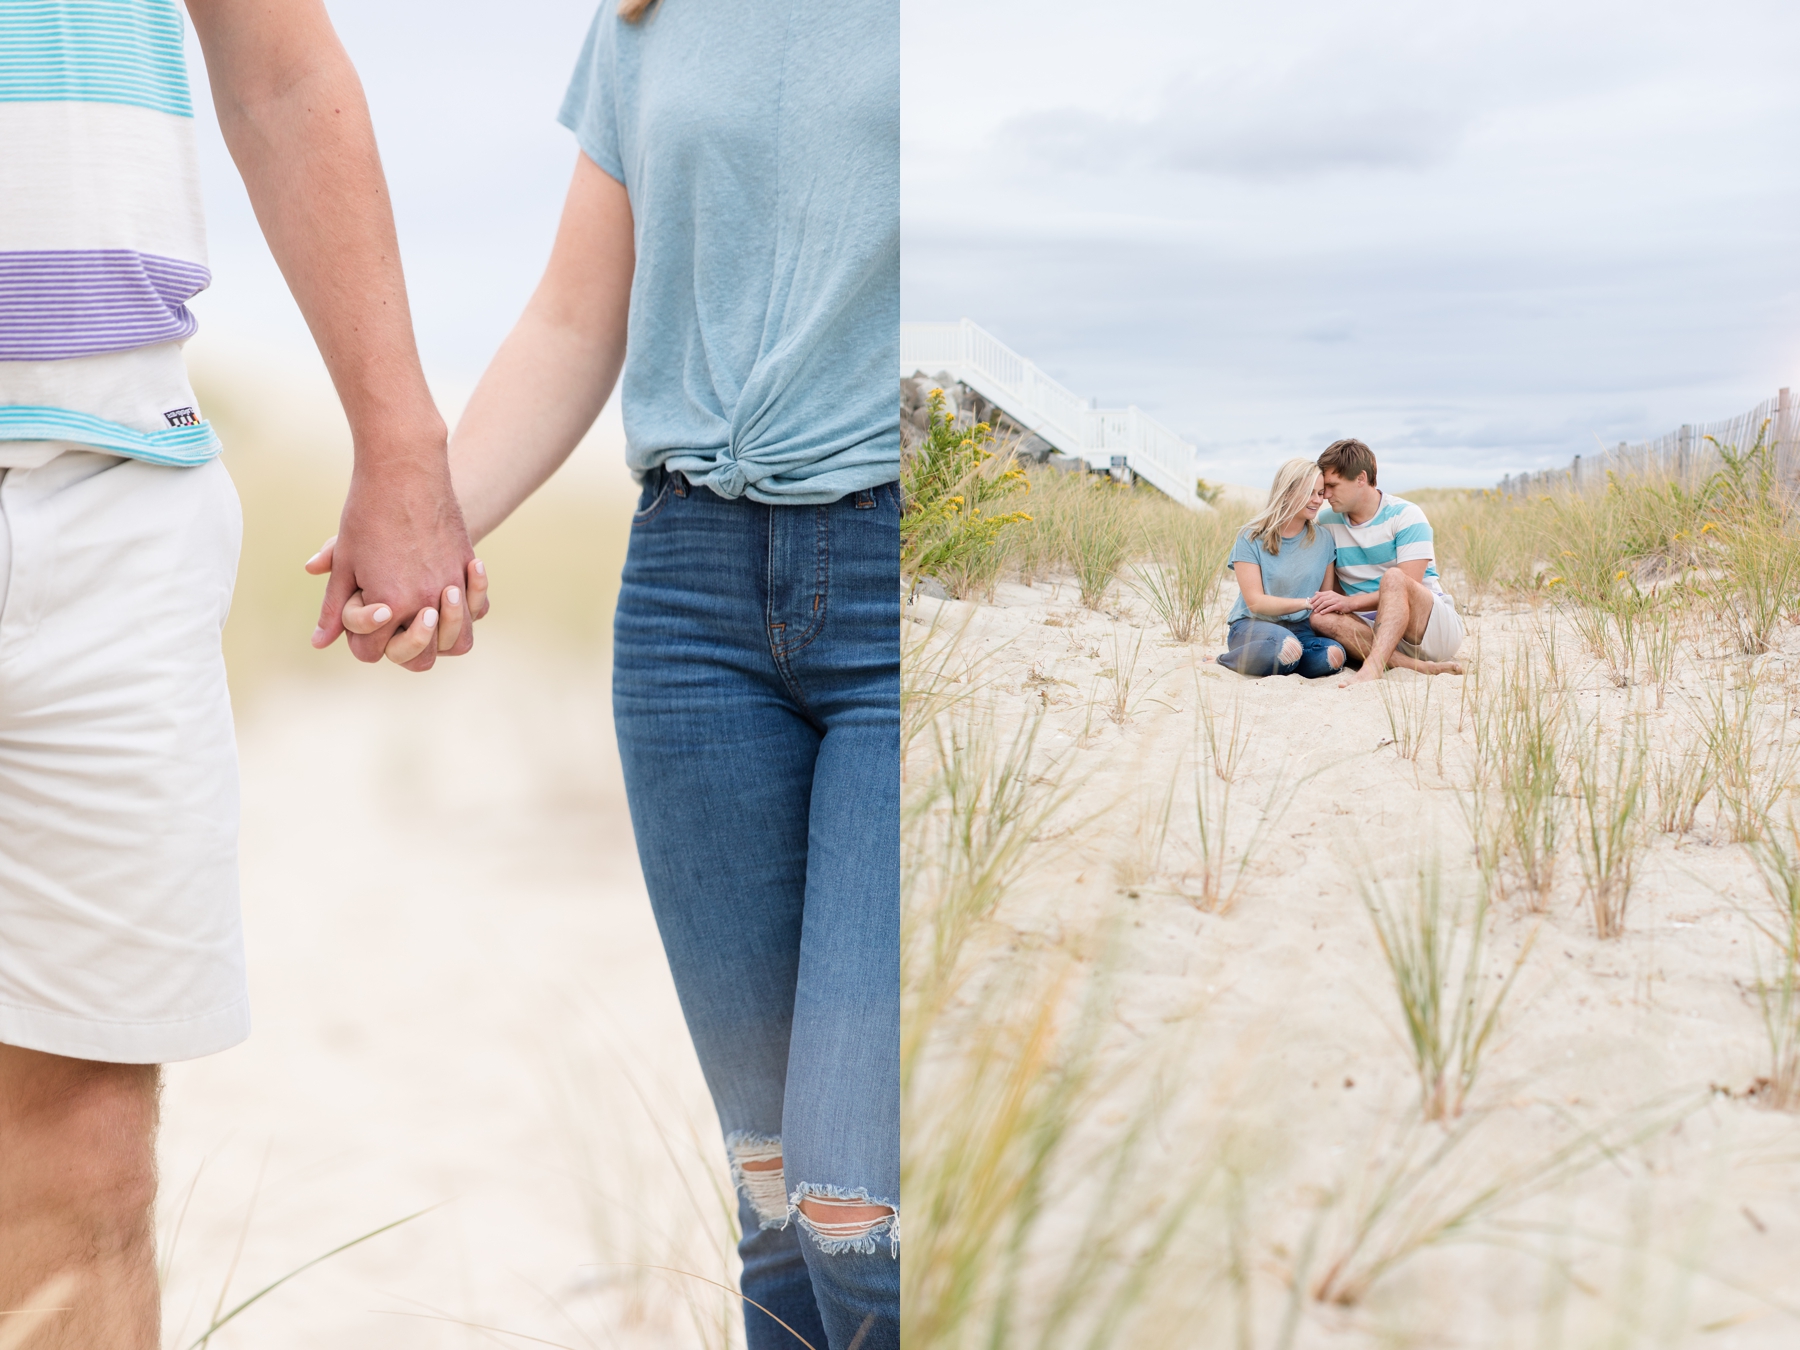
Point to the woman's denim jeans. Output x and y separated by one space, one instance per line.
1253 647
756 691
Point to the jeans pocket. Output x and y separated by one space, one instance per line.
647 511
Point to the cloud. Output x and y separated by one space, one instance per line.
1255 124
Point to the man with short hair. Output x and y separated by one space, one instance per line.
1392 611
120 941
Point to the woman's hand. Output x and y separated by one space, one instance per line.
432 629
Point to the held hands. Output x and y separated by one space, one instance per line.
433 630
1330 602
401 539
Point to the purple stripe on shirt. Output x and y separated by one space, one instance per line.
79 302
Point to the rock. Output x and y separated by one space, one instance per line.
930 587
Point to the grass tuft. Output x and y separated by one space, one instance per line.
1449 1010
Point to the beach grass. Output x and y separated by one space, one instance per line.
1609 819
1436 955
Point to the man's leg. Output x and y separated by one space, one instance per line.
77 1182
1402 613
1349 631
118 868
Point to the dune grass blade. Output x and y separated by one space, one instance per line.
1518 739
1449 1009
1184 575
1479 556
1753 755
1679 785
1609 834
1098 540
1407 703
1222 868
19 1326
1123 673
937 674
1420 1199
1225 737
1778 991
219 1321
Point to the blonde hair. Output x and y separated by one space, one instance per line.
633 10
1291 491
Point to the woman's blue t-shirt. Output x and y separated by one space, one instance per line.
1299 569
759 143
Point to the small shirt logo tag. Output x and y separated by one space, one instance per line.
182 417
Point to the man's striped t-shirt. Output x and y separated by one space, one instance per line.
1398 532
102 240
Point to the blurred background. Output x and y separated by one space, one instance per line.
460 1002
1482 238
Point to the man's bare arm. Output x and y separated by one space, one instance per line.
294 117
1334 602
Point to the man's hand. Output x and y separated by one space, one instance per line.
1330 602
293 115
443 628
401 538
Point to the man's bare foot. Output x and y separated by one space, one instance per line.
1367 675
1399 662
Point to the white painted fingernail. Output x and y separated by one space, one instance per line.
479 567
382 615
429 618
453 596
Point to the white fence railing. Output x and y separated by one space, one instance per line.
1039 404
1688 456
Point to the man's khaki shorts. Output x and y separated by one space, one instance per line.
1443 634
120 938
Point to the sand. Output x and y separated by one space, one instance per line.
1291 1024
458 994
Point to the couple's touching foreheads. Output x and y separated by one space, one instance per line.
1336 572
728 258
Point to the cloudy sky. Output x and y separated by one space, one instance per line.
1478 236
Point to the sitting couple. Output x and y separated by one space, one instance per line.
1356 582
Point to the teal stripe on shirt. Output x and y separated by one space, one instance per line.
1413 534
177 447
1376 555
94 51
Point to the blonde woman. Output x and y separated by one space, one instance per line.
1281 560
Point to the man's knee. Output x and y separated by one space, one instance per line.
81 1141
1396 582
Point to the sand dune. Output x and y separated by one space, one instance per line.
1286 1022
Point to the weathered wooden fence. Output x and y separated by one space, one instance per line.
1688 456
